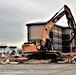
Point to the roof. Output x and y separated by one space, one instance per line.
3 46
13 47
43 23
8 46
37 23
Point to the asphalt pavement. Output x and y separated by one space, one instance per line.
38 69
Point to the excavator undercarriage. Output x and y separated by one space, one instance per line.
34 52
53 56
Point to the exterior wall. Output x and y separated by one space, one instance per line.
56 36
12 48
73 44
66 39
4 50
35 32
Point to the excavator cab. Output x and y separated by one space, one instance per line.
47 46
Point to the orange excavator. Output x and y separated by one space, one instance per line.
44 48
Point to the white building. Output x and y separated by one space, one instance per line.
8 49
13 48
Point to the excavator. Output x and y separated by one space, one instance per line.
44 49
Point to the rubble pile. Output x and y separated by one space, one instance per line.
32 61
17 59
11 59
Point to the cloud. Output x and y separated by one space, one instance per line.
15 14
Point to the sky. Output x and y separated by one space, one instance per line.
15 14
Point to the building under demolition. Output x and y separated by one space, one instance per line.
59 35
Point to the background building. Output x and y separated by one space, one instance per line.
8 49
59 35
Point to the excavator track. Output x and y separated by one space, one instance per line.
43 57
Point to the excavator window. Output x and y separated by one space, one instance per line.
48 44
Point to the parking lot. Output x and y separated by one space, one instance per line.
38 69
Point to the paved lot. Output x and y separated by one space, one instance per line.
38 69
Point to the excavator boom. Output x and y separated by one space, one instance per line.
54 19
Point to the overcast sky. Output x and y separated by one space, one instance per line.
15 14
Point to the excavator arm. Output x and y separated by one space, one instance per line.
54 19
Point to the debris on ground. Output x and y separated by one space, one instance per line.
38 61
13 59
